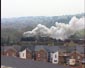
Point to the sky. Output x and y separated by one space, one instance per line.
19 8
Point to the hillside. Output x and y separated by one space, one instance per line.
32 21
79 34
12 28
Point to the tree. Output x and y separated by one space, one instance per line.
8 40
67 45
72 43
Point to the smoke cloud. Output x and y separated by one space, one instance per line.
59 31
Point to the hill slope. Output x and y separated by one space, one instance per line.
14 27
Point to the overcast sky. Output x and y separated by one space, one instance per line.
19 8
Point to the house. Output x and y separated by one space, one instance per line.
47 53
2 50
77 56
55 57
63 54
41 54
25 54
61 58
80 51
16 50
70 52
53 53
10 50
67 53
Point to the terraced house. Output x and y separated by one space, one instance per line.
52 54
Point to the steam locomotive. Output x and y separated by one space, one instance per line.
48 39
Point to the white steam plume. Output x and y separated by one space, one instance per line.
40 30
59 31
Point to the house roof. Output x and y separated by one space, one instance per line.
17 48
27 49
75 52
21 63
14 47
30 48
80 49
47 48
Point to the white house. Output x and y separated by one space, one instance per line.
22 54
55 57
25 54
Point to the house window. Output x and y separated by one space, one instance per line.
55 56
55 60
38 55
7 54
44 56
72 57
28 54
78 57
13 54
23 54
